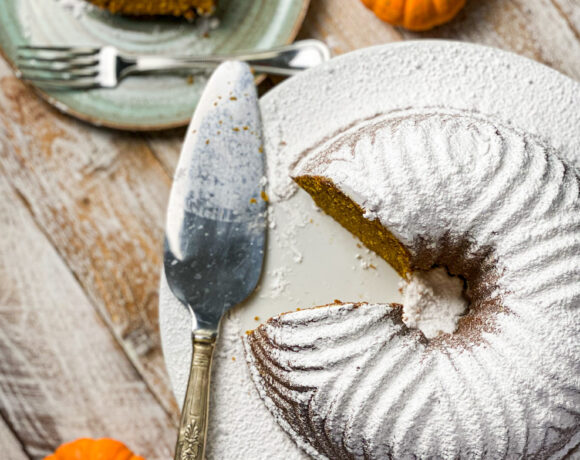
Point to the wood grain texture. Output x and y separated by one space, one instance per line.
346 25
62 373
100 197
538 29
570 11
544 30
166 146
10 445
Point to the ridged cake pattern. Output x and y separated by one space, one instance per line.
494 205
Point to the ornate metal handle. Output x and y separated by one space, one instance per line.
193 427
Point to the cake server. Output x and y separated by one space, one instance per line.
216 224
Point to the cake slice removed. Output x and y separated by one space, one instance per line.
180 8
351 216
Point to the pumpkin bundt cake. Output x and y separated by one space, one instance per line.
186 8
462 207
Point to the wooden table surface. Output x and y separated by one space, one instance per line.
81 223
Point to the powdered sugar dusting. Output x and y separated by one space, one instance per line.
235 403
433 301
493 204
378 80
279 282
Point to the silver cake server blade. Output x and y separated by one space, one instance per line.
216 227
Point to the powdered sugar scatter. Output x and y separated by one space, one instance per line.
441 74
433 301
279 282
235 403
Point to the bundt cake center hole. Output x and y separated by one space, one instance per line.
433 301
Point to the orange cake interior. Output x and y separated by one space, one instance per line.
351 216
185 8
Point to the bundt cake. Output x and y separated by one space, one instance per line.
186 8
440 195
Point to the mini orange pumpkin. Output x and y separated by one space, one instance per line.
415 14
93 449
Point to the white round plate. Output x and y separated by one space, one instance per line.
311 260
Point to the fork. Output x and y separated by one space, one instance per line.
59 67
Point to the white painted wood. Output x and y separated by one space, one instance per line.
166 146
100 198
537 29
544 30
346 26
62 374
9 445
570 9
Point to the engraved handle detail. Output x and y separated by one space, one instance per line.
193 426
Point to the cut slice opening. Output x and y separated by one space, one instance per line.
462 300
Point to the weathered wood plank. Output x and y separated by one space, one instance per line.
570 10
346 26
100 197
544 30
537 29
166 147
62 373
9 445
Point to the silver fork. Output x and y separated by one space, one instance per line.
56 67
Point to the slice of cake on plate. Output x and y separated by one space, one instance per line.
179 8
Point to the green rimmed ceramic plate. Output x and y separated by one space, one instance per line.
153 102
